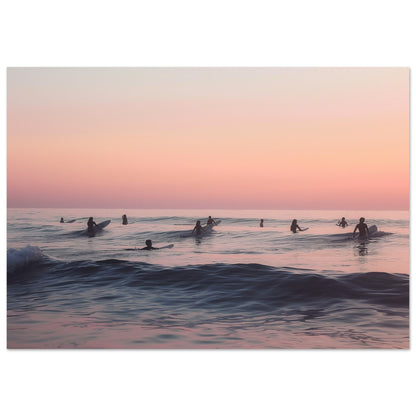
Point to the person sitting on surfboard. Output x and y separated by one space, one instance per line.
91 224
124 218
198 228
342 223
149 246
362 228
211 221
261 223
294 226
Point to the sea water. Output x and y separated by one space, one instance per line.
239 286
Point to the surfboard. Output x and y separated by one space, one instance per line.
97 228
371 231
103 224
218 222
168 246
156 248
205 229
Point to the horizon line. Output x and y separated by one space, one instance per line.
229 209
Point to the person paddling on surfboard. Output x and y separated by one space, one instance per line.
211 221
342 223
362 228
198 228
294 226
149 246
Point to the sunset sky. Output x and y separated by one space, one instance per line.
266 138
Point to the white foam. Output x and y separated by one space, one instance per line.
21 257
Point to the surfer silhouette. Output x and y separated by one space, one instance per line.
294 226
198 228
342 223
211 221
261 223
362 228
62 220
91 224
149 246
124 218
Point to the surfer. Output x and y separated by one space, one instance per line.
124 218
149 246
62 220
211 221
91 223
294 226
261 223
198 228
342 223
362 228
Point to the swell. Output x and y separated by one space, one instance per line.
251 286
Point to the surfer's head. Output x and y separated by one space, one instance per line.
362 219
149 243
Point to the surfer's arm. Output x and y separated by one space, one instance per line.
355 229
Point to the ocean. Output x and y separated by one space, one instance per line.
238 286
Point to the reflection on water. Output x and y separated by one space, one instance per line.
362 249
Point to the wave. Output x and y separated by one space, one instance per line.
18 259
250 286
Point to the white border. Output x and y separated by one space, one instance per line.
200 33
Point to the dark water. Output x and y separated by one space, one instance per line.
238 287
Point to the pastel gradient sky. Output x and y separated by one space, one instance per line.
266 138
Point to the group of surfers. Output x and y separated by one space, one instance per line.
361 227
198 229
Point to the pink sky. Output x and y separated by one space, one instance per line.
311 138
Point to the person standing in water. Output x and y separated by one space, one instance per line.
362 228
294 226
198 228
124 218
261 223
342 223
91 223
